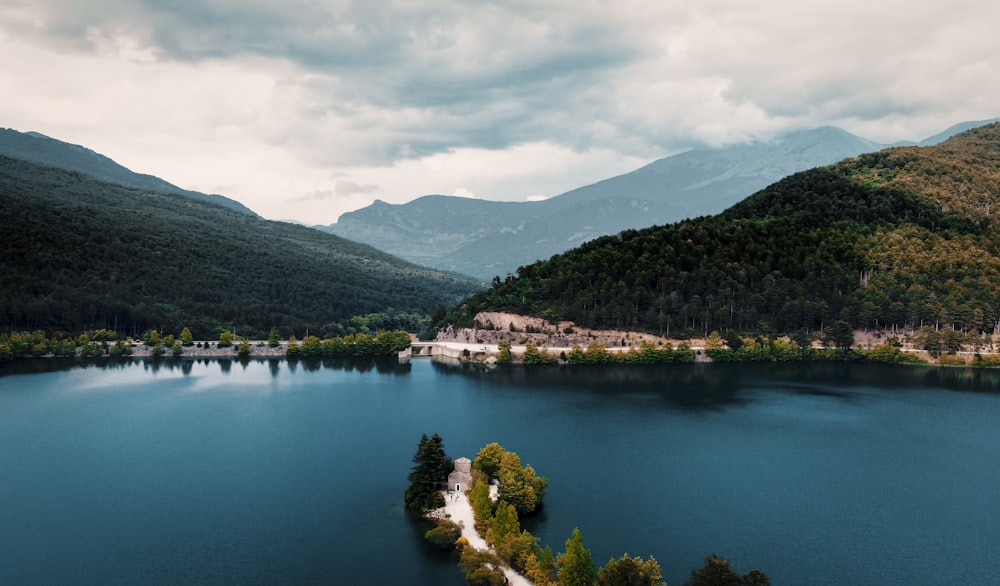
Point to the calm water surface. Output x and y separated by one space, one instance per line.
271 472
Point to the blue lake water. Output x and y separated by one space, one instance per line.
273 472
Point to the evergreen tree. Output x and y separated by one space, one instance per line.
273 338
505 525
186 338
629 571
576 568
718 572
225 339
715 572
429 474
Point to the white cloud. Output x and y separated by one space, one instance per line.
309 109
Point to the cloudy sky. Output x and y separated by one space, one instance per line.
305 109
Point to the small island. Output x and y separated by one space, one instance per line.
476 507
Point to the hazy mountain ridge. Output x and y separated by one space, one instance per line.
901 239
483 239
35 147
79 253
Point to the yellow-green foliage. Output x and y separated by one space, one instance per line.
951 360
532 355
989 361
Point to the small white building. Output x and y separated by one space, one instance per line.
460 479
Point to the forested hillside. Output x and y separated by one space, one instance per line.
78 253
902 238
43 150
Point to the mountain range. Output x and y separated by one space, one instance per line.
488 238
38 148
905 239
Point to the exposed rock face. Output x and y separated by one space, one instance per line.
495 327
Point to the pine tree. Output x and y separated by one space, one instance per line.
576 567
273 338
429 474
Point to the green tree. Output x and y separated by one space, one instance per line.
713 342
428 476
292 350
629 571
150 337
225 339
243 350
186 338
488 459
311 346
177 348
504 357
718 572
505 526
482 506
532 355
520 486
445 534
576 568
755 578
481 568
273 338
841 335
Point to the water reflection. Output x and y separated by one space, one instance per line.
718 386
380 364
185 366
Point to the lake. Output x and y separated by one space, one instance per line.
270 472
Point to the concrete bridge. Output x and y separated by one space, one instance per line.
455 350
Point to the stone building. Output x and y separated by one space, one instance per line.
460 479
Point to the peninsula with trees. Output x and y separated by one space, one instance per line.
501 492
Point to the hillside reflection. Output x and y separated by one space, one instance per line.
715 386
185 366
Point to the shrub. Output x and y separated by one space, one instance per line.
445 535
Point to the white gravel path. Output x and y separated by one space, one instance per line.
459 510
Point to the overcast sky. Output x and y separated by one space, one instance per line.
305 109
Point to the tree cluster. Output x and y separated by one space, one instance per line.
381 344
519 485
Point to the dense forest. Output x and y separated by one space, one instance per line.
901 238
80 254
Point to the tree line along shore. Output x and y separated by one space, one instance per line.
101 343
